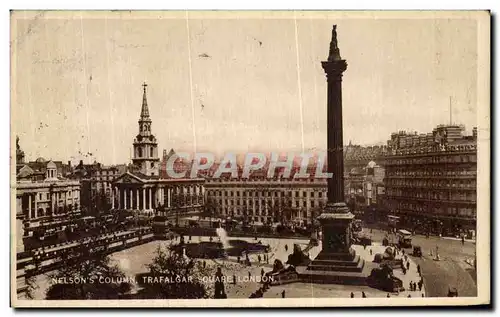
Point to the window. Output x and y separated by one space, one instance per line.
151 152
139 152
152 165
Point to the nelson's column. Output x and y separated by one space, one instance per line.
337 262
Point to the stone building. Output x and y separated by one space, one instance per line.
430 180
96 186
44 205
357 156
260 200
297 201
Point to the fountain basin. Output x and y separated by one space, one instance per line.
201 250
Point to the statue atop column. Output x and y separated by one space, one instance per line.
334 54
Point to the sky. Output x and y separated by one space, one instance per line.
226 84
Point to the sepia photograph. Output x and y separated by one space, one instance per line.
249 159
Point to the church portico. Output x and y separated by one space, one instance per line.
132 193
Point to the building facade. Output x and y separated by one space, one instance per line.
96 186
44 206
258 201
430 180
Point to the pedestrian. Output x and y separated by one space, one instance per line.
238 259
249 275
404 270
408 265
388 295
423 295
258 258
363 295
283 294
262 272
204 264
352 295
286 247
371 252
409 295
411 285
463 240
403 251
234 279
420 285
418 268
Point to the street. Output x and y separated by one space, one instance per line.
451 271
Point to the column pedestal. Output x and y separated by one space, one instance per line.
337 262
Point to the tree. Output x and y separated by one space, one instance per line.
209 209
31 286
173 276
86 273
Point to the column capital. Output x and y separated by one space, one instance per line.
334 69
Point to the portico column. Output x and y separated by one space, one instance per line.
157 194
118 196
137 197
112 198
29 204
125 199
52 203
143 198
150 202
36 202
131 199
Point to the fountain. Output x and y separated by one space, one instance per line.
220 249
222 234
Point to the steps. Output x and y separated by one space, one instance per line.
337 268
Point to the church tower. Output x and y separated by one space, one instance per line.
145 146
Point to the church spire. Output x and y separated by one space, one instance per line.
144 109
